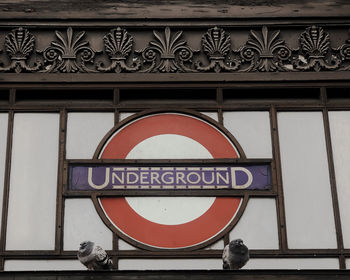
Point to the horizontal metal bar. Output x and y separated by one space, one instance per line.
122 78
218 193
165 162
44 23
183 274
248 106
263 253
177 84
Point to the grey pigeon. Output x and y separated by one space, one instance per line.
94 257
235 255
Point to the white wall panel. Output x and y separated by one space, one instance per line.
164 264
33 182
347 262
258 225
3 144
33 265
307 193
340 135
305 263
123 116
122 245
82 223
212 115
85 131
252 131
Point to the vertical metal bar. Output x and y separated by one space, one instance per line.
115 245
220 116
60 182
116 98
115 249
323 95
219 101
342 261
219 96
5 202
12 97
333 184
116 116
226 238
282 231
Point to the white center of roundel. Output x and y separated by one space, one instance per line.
169 210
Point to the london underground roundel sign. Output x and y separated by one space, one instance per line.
169 222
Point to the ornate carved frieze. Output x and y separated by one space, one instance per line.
216 45
19 45
345 54
168 51
315 51
69 54
118 46
265 52
167 54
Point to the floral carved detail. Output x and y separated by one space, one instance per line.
265 51
118 45
19 45
69 54
217 44
315 47
344 51
168 53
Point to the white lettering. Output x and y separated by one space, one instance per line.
98 187
128 176
155 177
170 178
180 176
120 178
143 177
193 174
225 179
233 177
211 180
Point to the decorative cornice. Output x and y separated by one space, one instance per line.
169 52
69 54
118 45
266 52
19 45
216 44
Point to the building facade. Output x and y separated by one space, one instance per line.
162 93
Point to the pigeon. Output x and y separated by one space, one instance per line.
235 255
94 257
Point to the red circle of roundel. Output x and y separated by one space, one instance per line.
126 220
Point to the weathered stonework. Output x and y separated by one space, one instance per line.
169 52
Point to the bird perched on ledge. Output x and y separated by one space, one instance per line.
235 255
94 257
